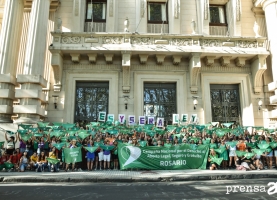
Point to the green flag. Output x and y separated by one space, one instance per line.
59 145
232 144
52 160
22 132
113 132
107 147
97 144
258 151
8 165
213 146
38 134
220 150
273 145
200 127
216 160
249 155
227 125
73 155
221 132
142 143
240 153
10 132
83 134
252 145
68 126
91 149
1 144
45 128
25 126
42 124
33 129
206 141
56 133
71 133
26 137
263 146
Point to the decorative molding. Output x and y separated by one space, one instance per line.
126 79
141 40
206 9
209 60
164 68
181 42
56 39
238 10
176 9
229 69
126 58
142 8
71 40
92 57
113 40
76 11
225 60
258 67
143 58
160 58
258 11
240 62
246 44
111 8
94 67
75 57
176 59
211 43
194 69
109 58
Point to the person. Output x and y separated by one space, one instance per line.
232 154
241 145
42 162
11 143
213 165
224 154
115 155
98 155
14 160
269 154
33 160
71 145
90 156
24 162
107 156
53 167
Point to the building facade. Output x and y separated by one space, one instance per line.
68 60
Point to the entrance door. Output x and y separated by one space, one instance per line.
225 103
91 98
160 100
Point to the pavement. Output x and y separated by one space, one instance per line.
134 176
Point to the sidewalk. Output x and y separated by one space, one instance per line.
135 176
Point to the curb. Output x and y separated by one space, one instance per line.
11 179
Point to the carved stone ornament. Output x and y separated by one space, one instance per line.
143 58
109 58
209 60
225 60
240 62
112 40
92 57
75 57
71 40
258 67
141 40
211 43
194 69
181 42
176 59
246 44
160 59
111 8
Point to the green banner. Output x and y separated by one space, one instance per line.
163 158
73 155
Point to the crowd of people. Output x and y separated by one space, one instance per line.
237 148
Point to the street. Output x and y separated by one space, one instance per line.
192 190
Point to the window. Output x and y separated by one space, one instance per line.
160 100
157 13
217 15
91 98
96 11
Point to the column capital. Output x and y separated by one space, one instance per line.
263 3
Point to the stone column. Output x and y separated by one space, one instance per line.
32 81
270 9
9 49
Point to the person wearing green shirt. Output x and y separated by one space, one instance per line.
213 165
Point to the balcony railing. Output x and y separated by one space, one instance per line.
95 26
219 30
157 28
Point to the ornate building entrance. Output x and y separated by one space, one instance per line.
160 100
225 103
91 98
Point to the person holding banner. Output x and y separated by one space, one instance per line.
115 155
213 165
71 145
90 156
11 143
107 156
51 166
98 154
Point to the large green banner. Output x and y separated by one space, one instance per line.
73 155
163 158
